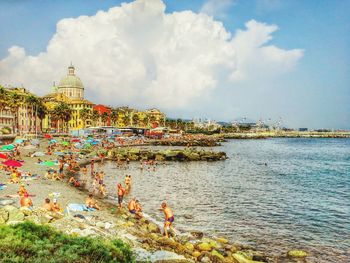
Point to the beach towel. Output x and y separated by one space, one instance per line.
77 208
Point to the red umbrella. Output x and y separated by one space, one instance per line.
3 156
75 140
48 136
12 163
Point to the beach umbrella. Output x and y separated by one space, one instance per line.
8 147
19 141
52 141
59 153
75 140
65 143
48 136
3 156
12 163
49 163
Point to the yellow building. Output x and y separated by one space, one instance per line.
71 91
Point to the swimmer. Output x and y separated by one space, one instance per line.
132 206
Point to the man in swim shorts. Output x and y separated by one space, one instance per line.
169 218
121 192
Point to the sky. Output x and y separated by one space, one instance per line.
271 60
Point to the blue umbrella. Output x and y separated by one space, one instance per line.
19 141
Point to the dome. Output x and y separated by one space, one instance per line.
70 81
71 85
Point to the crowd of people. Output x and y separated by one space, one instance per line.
70 171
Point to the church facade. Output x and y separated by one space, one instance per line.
70 91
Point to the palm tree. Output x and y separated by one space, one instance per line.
95 116
85 114
14 102
32 102
126 119
62 112
104 117
3 97
114 116
135 119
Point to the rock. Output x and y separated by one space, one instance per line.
196 254
205 260
197 234
297 253
26 211
153 228
222 240
215 253
189 246
204 246
240 258
4 201
100 224
15 215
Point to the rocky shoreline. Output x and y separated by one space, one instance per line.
180 155
282 134
144 236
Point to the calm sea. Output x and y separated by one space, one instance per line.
274 194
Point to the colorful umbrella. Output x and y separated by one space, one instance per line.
65 143
19 141
3 156
48 163
8 147
48 136
75 140
12 163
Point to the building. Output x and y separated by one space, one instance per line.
104 113
26 120
7 120
70 91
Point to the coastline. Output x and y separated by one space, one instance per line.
143 235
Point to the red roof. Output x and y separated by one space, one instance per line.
102 109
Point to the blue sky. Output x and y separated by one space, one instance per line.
316 93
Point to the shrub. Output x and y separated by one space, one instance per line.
28 242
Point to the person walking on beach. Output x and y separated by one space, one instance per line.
169 218
121 192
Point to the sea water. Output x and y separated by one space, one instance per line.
273 194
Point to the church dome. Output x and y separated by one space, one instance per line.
70 81
71 85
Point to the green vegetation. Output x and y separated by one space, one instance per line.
28 242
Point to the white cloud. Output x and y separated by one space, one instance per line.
217 8
136 54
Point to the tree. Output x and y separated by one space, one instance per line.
85 114
114 116
62 112
135 119
14 102
104 117
95 116
3 97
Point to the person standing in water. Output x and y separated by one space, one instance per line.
127 182
121 192
169 218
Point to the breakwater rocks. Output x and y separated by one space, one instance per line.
188 142
181 155
282 134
